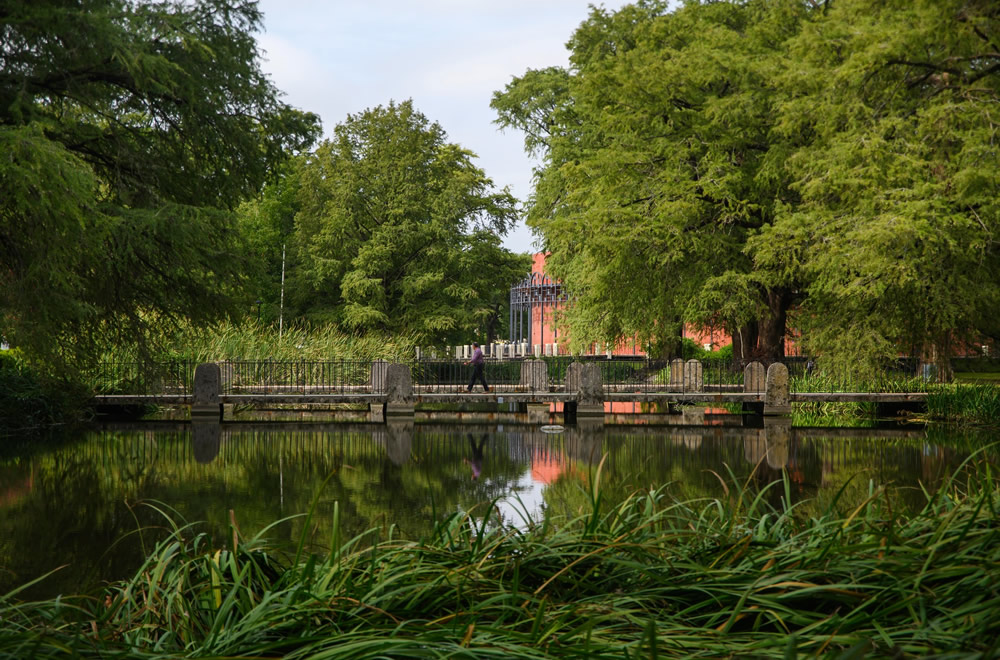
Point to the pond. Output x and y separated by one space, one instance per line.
88 504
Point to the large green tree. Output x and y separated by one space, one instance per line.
894 108
657 167
737 162
397 227
128 132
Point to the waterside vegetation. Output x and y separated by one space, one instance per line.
650 577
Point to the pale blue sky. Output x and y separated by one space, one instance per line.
449 56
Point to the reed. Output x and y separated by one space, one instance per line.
649 577
965 404
257 341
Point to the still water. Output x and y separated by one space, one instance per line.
76 503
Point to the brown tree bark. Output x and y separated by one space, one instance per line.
937 355
771 343
744 344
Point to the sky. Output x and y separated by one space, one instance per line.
339 57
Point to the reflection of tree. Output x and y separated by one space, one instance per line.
717 463
73 503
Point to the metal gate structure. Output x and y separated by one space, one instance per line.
536 292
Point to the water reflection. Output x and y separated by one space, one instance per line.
80 503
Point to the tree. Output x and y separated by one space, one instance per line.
740 162
268 224
390 231
895 107
658 167
129 130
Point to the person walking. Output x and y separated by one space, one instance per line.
478 364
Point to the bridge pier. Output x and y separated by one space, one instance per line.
538 413
207 387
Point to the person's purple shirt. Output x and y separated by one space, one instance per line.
477 356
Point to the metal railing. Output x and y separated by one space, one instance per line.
296 377
453 376
144 377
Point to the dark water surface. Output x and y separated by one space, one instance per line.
78 502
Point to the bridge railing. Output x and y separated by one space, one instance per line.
295 377
133 377
453 376
661 375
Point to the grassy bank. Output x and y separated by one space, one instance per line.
650 578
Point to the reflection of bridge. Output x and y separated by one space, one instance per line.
239 442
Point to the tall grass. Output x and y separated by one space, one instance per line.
253 341
965 404
651 577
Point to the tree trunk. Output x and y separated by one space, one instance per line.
491 327
771 343
670 347
935 360
744 344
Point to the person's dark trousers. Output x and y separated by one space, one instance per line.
477 372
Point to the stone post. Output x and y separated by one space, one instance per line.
754 382
676 374
207 386
585 380
694 378
754 378
398 391
534 376
776 396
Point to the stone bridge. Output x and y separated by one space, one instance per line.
583 392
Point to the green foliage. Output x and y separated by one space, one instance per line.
729 163
650 575
897 177
28 400
398 231
128 131
657 165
